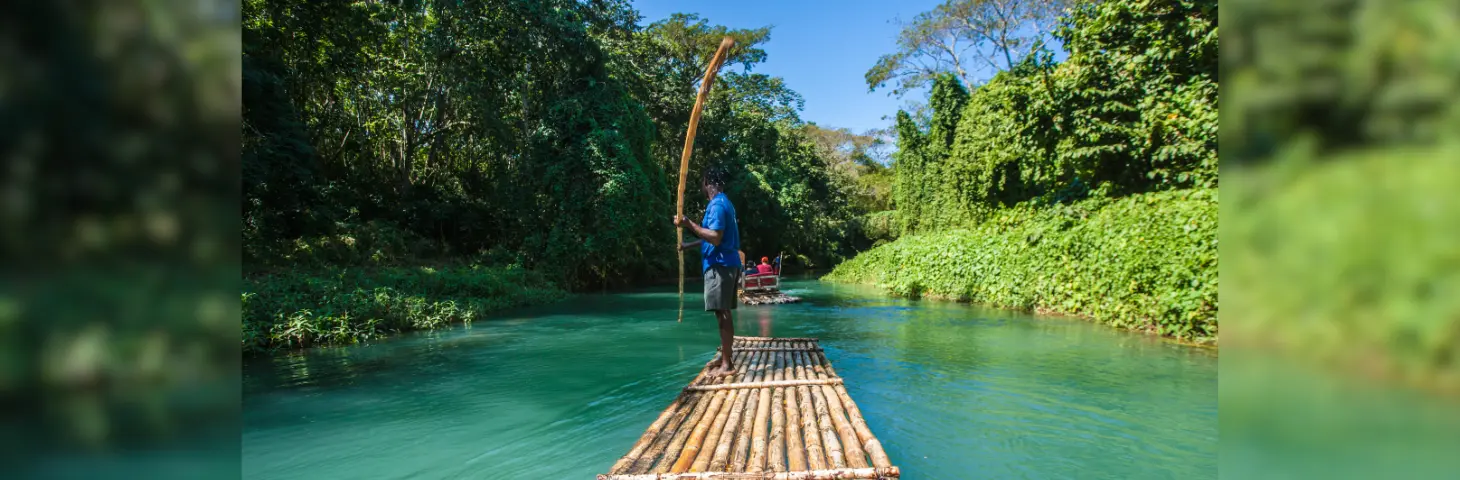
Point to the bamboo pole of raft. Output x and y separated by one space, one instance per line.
837 474
777 349
717 428
815 453
829 439
708 425
694 456
655 446
719 459
689 146
745 444
795 443
870 444
851 444
758 442
721 455
646 461
767 384
678 442
649 435
742 438
777 447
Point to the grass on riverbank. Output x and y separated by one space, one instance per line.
1144 262
331 306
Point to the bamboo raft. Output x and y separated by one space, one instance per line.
783 415
767 298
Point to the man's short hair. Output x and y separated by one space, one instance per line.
715 176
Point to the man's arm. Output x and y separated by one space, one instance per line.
689 245
709 232
712 236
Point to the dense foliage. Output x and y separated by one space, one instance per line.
1085 186
447 119
1133 109
1145 262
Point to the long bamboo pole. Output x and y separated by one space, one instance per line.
827 474
689 146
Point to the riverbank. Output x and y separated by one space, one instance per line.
334 306
1144 262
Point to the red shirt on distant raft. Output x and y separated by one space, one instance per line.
765 266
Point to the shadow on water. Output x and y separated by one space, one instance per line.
562 391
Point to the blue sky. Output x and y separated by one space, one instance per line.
822 48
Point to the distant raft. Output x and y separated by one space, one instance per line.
764 289
784 415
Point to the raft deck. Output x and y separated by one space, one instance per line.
784 415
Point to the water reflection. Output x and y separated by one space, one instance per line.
765 322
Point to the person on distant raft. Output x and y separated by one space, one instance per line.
765 266
719 242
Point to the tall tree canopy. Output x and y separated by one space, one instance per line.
962 37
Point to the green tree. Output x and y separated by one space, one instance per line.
959 36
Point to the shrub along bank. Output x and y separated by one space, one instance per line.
1351 260
1145 262
349 305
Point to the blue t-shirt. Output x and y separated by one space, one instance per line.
720 215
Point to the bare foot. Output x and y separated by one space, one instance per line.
725 369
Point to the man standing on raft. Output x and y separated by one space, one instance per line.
720 246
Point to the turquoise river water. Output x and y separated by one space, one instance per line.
560 392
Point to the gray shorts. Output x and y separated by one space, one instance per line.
721 283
